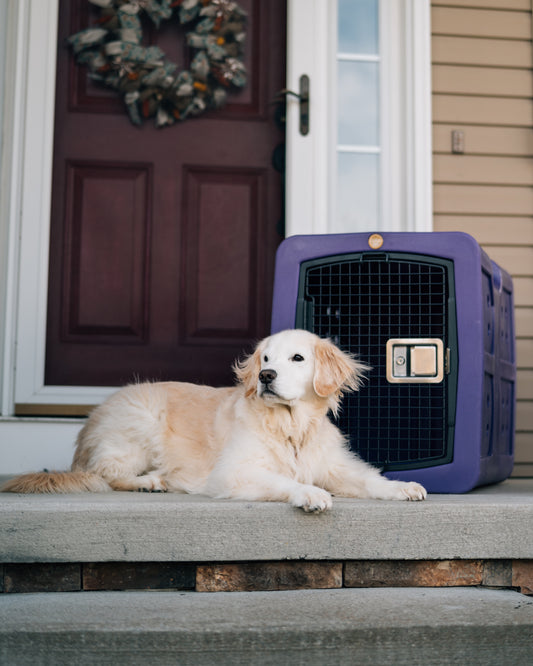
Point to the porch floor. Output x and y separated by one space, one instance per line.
492 522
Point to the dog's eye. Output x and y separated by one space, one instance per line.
265 358
297 358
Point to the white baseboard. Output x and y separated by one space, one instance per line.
28 445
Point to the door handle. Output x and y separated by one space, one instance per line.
303 97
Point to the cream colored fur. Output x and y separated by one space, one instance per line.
266 441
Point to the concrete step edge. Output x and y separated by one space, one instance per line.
378 626
491 523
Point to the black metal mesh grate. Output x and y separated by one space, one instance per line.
360 302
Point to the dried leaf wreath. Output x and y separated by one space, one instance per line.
148 82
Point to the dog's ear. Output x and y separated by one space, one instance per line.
335 370
247 372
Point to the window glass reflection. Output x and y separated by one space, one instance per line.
358 103
358 26
357 192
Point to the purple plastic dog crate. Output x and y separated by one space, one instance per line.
433 316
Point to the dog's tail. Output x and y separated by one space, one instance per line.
56 482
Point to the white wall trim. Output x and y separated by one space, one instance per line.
32 444
10 188
35 196
420 207
392 133
25 444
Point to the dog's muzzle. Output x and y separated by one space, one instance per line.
266 377
268 389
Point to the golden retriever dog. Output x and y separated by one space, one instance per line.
268 438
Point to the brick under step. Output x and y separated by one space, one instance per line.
264 576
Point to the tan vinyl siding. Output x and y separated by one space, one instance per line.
489 81
483 86
463 21
516 5
482 52
487 140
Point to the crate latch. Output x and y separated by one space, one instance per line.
415 360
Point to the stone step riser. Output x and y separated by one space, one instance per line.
266 576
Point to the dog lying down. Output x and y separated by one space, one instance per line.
268 438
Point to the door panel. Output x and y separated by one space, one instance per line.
106 250
162 241
225 263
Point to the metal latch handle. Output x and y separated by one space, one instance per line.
415 360
303 98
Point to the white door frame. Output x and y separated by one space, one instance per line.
25 186
405 117
27 166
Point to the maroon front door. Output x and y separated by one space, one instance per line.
162 240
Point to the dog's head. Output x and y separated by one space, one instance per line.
297 365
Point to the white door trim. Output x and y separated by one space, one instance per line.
310 50
28 169
405 117
25 188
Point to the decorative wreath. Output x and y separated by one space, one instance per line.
148 82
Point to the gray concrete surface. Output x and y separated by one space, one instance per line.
379 626
492 522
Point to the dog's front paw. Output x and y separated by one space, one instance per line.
312 499
151 483
412 491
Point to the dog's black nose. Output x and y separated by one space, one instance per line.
266 377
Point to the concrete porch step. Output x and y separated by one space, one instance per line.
489 523
385 626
